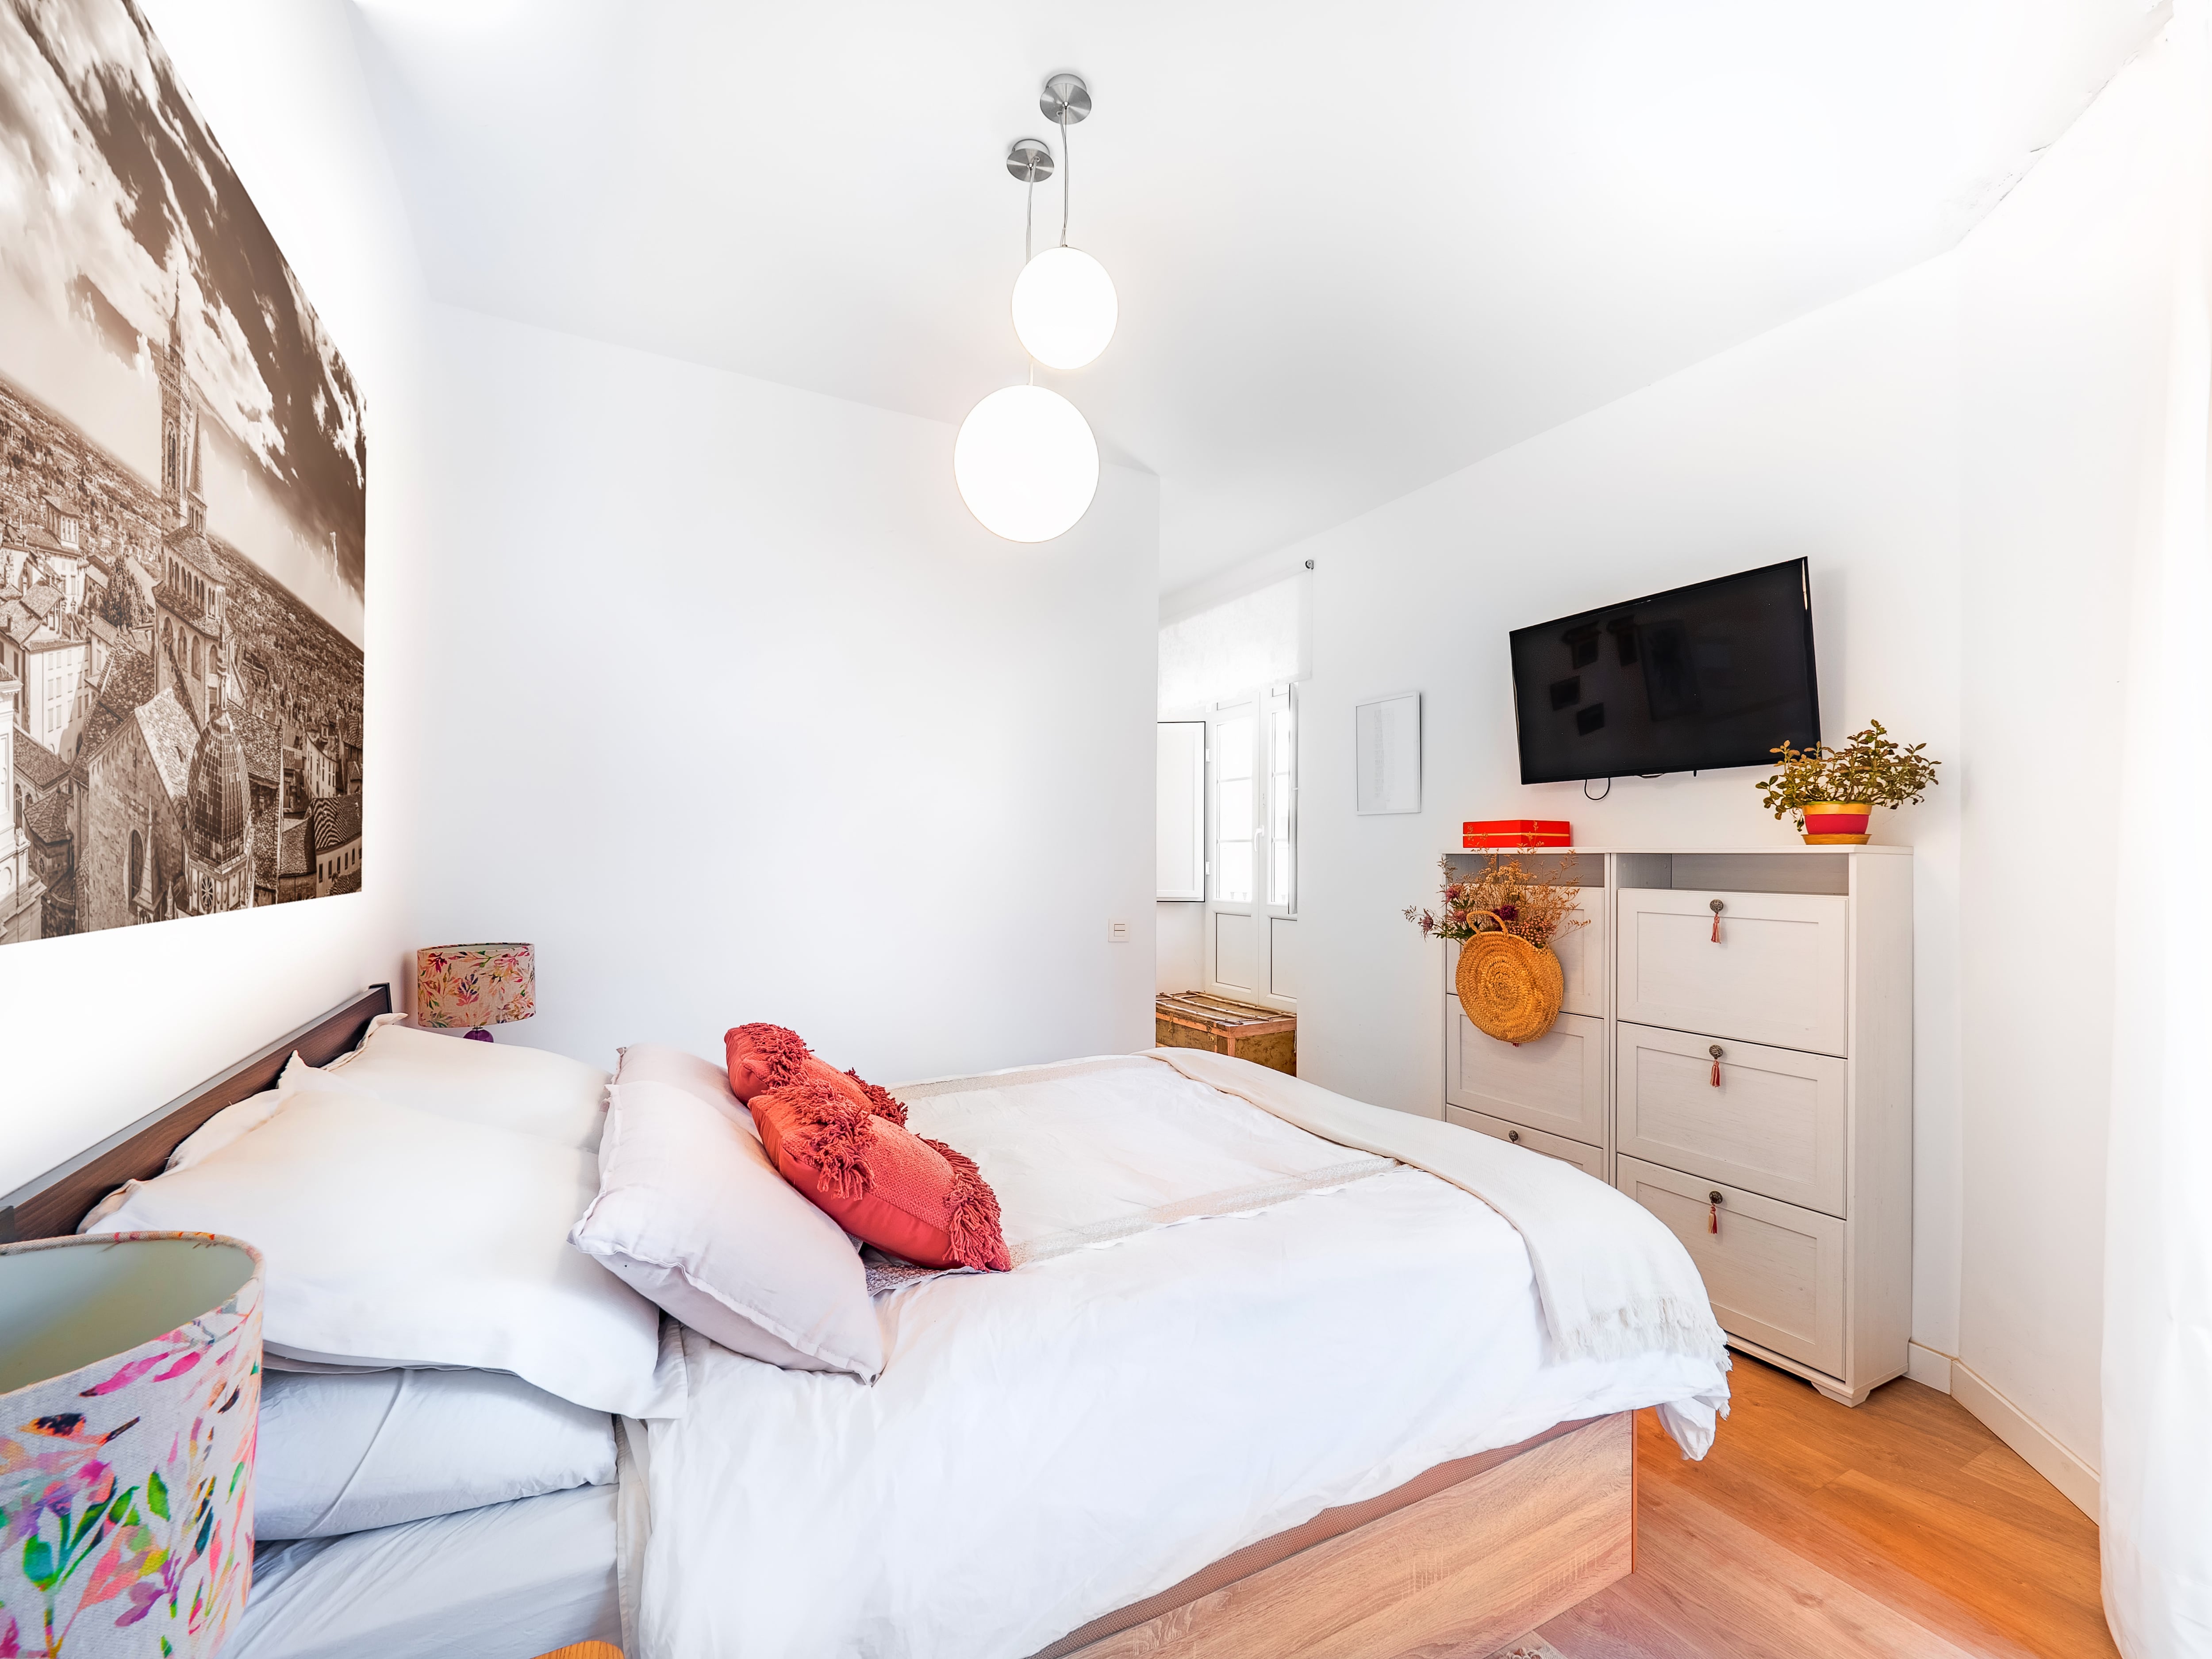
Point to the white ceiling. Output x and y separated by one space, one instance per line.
1358 246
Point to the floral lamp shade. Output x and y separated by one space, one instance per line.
474 985
129 1388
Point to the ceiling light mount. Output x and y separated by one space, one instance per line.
1029 160
1066 100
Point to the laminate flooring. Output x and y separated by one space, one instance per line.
1903 1528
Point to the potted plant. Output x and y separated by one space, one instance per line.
1833 791
1509 981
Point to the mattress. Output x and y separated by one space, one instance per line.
510 1581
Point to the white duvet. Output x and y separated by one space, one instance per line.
1049 1444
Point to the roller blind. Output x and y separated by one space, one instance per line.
1262 638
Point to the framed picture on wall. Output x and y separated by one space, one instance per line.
183 490
1387 737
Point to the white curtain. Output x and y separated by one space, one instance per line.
2157 1368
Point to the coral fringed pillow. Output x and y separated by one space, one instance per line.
770 1057
844 1144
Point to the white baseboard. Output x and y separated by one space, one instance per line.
1929 1366
2043 1452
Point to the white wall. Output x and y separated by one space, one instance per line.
735 712
1834 439
2066 305
1180 950
1961 451
102 1027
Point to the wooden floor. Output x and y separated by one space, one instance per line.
1904 1528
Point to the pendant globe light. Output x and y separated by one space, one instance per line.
1026 464
1064 304
1064 308
1026 460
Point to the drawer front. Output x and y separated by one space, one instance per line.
1590 1160
1775 1272
1777 975
1774 1124
1581 952
1556 1083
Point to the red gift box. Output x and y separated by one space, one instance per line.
1485 833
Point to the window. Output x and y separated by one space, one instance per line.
1234 798
1248 935
1282 740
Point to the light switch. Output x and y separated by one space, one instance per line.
1117 933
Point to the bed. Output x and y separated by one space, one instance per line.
1379 1453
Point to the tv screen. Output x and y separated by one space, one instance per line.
1690 680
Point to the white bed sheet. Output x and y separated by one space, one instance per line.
1049 1444
510 1581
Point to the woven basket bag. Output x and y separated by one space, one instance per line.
1509 988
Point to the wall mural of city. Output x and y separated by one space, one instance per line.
183 471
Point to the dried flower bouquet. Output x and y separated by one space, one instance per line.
1533 907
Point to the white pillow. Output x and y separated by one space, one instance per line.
656 1062
343 1454
691 1213
502 1084
396 1238
225 1127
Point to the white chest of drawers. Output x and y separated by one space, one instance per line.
1752 1091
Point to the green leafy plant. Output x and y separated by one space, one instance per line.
1869 767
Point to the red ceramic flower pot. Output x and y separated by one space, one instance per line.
1831 823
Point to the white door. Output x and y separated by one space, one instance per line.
1251 910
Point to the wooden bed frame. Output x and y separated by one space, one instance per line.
1456 1562
1452 1564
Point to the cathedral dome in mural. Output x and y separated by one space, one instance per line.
217 794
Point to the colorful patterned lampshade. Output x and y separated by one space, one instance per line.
130 1381
474 985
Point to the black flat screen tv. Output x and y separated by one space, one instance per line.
1691 680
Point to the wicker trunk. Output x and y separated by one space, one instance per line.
1196 1019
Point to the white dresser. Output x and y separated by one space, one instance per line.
1753 1090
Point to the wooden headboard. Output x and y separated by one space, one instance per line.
53 1204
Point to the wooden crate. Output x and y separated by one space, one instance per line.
1197 1019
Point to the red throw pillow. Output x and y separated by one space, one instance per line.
915 1199
764 1057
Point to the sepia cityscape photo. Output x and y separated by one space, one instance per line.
183 471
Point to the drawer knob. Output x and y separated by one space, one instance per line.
1715 1051
1717 908
1713 1213
1513 1135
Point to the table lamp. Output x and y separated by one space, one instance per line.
130 1381
474 985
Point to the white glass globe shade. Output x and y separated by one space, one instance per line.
1026 464
1064 308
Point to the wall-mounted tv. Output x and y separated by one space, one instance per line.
1691 680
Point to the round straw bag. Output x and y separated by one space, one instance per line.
1509 988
